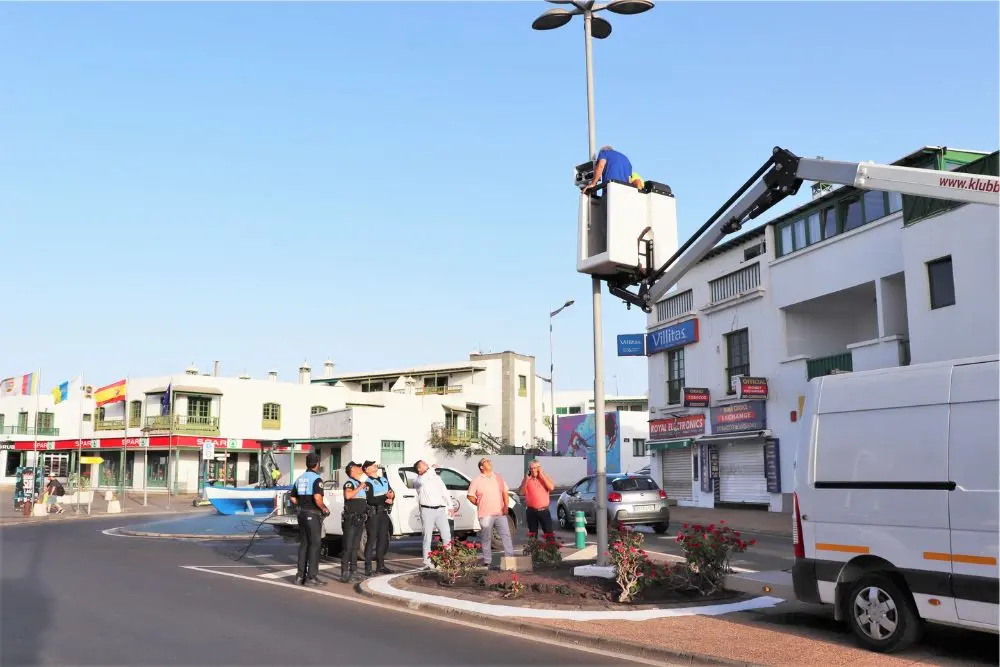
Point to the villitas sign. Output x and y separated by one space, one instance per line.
676 335
677 427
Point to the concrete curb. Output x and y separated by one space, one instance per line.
195 536
528 629
8 522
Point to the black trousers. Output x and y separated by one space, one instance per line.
310 524
379 528
538 517
354 525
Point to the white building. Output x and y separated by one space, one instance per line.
850 281
576 402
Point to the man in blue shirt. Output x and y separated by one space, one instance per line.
610 165
307 496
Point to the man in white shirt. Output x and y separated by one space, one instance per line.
434 499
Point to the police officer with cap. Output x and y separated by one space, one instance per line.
380 496
355 517
307 496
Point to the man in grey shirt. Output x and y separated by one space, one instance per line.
434 500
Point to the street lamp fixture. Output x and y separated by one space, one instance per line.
593 27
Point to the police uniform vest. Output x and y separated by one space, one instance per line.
380 486
358 503
304 490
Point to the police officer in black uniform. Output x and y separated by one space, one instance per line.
355 518
380 496
307 496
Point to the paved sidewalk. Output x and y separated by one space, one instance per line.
132 506
751 521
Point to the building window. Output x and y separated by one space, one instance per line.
271 416
675 376
639 447
522 385
199 409
675 306
875 207
135 414
22 422
850 210
895 202
392 452
575 410
562 411
755 250
86 417
1 423
15 460
737 356
45 423
941 282
317 409
370 387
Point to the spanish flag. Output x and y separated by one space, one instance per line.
112 393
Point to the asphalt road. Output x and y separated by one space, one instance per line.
75 596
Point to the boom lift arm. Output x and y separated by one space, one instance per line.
780 177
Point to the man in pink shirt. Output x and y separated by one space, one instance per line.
488 493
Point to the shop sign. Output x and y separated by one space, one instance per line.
736 417
750 387
705 467
6 444
676 335
631 345
677 427
772 465
696 397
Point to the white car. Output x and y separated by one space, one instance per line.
405 514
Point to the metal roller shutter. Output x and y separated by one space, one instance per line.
741 474
677 473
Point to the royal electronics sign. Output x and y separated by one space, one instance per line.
631 345
676 335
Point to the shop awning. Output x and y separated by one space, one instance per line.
319 441
661 445
454 408
741 435
182 389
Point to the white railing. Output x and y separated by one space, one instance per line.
675 306
735 283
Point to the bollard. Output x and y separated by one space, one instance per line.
581 531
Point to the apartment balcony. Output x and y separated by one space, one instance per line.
453 436
185 424
29 430
270 424
835 363
439 391
109 425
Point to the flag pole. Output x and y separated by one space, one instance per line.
171 472
38 458
121 465
79 447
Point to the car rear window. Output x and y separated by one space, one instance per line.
633 484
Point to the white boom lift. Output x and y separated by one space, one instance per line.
617 231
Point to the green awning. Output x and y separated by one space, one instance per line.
661 445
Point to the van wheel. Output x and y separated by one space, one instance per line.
563 518
882 615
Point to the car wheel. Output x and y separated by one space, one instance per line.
881 614
563 516
660 528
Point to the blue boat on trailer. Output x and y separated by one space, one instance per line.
243 499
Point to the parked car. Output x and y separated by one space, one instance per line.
633 500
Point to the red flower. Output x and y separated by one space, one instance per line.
722 520
684 525
753 542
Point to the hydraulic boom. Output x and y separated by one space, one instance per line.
780 177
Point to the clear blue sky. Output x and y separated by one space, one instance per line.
389 183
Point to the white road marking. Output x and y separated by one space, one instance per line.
291 572
355 599
259 556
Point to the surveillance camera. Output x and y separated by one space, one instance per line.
584 174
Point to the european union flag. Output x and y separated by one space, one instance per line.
165 401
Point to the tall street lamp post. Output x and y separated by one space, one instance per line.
594 26
552 377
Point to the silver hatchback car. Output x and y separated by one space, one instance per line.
633 500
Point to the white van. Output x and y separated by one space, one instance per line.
896 503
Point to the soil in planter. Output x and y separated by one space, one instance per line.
559 586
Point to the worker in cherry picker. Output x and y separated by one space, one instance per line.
612 165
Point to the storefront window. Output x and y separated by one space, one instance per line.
156 470
15 460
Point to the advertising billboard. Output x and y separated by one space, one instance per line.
575 437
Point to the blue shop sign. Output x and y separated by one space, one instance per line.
738 417
631 345
676 335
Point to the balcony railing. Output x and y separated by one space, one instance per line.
109 425
184 424
454 436
821 366
440 391
675 306
29 430
270 424
735 283
675 390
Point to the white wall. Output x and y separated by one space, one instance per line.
633 425
971 327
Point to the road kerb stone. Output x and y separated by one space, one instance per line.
566 636
54 519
